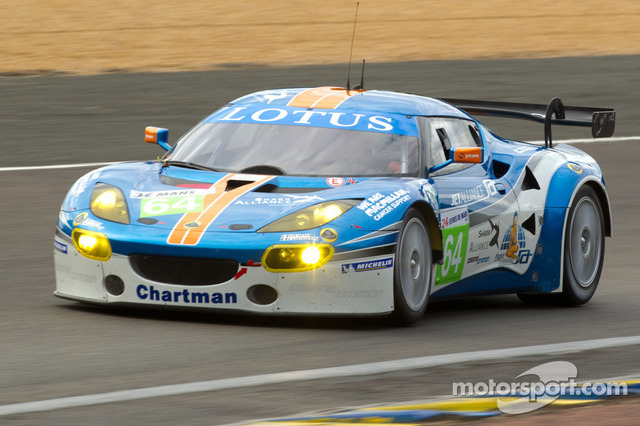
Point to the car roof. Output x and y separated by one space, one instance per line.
337 98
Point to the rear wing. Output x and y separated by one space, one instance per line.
601 120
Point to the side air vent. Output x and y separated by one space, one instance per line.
530 224
499 168
529 181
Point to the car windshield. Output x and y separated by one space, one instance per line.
298 150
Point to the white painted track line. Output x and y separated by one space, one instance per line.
56 166
314 374
80 165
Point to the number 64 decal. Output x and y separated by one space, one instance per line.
455 240
171 205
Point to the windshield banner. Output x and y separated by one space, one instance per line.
348 120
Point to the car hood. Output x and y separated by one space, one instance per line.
171 197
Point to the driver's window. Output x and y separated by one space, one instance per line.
441 134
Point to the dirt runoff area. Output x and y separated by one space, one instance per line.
41 37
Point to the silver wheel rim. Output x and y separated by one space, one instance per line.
414 264
585 242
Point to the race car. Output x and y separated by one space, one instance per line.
333 201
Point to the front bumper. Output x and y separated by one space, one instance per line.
351 286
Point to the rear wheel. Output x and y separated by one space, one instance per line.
583 248
412 270
583 253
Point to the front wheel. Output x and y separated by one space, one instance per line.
412 270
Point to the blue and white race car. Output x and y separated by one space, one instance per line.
328 201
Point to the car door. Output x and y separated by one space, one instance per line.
473 201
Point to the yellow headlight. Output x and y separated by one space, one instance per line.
310 217
296 257
108 202
94 245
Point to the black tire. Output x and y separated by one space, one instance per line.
412 270
583 253
583 248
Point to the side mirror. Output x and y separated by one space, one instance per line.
466 155
157 135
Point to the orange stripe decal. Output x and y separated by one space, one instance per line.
191 227
321 97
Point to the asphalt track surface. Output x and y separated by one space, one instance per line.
51 348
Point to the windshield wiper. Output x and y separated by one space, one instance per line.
188 165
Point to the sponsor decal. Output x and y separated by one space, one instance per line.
474 247
367 266
328 235
337 294
478 260
76 276
172 193
298 237
81 184
187 296
284 200
513 239
429 192
93 224
273 95
575 167
378 205
62 248
494 239
455 236
80 218
368 122
523 149
83 219
335 182
485 190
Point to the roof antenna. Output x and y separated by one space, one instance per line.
353 35
361 87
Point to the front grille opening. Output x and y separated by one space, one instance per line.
184 270
262 294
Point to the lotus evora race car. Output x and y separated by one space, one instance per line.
329 201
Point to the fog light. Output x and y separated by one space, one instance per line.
296 257
94 245
311 255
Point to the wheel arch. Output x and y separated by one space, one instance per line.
433 226
603 197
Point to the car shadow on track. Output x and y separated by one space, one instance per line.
437 312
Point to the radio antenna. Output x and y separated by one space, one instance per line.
353 35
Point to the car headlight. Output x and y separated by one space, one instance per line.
296 257
108 202
310 217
